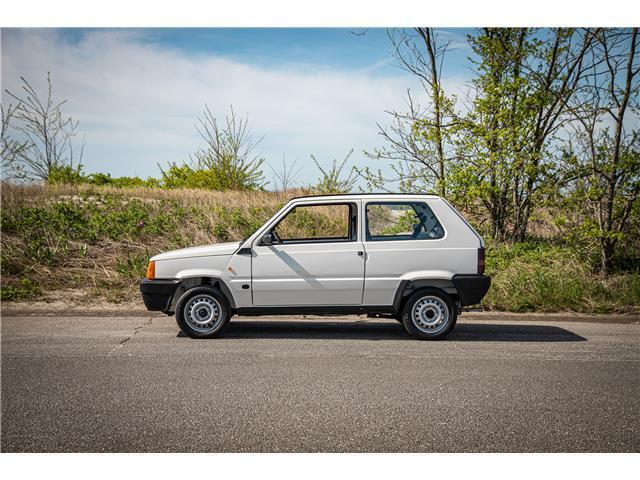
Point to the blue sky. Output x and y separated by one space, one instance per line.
137 92
349 49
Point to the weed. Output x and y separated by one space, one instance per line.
20 290
97 240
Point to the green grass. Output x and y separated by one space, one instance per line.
23 289
97 240
538 276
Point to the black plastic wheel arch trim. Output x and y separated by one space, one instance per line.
157 294
471 288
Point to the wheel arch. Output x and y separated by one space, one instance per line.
407 287
187 283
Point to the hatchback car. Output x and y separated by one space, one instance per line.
409 257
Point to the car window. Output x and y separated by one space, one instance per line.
329 222
402 221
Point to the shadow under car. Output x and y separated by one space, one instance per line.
361 330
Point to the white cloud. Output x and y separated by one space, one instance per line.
137 102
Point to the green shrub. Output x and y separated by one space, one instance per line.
186 177
105 179
65 174
223 176
538 276
23 289
132 266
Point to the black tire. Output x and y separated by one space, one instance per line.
436 301
208 300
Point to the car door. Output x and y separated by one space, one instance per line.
315 259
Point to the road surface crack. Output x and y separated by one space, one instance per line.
136 331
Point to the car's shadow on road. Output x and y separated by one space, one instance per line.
480 332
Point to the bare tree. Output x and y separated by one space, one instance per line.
287 177
10 148
46 135
605 155
418 137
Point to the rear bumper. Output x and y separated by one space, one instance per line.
157 294
471 288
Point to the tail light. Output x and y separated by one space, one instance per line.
151 270
481 261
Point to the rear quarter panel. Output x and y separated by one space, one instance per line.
390 262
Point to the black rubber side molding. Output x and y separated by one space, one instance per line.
471 288
157 294
316 310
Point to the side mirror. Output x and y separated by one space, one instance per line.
267 239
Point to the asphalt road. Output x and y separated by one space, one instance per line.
134 384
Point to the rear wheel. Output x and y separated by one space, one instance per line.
202 312
429 314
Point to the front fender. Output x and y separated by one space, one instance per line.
198 272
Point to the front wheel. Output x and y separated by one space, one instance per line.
202 312
429 314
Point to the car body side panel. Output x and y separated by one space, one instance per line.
233 270
308 274
237 276
389 262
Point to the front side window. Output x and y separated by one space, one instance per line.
402 221
317 223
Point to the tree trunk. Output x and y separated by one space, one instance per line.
606 256
427 36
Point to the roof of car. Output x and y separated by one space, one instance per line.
357 195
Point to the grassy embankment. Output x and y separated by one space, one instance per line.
89 242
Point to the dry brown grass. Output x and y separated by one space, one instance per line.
13 194
109 268
54 260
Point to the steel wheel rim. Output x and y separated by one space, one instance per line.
203 313
430 314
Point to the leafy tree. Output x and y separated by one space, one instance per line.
603 157
495 126
525 78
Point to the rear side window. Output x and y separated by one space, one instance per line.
402 221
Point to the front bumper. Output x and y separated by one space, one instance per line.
471 288
157 294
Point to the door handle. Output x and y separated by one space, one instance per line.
360 252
